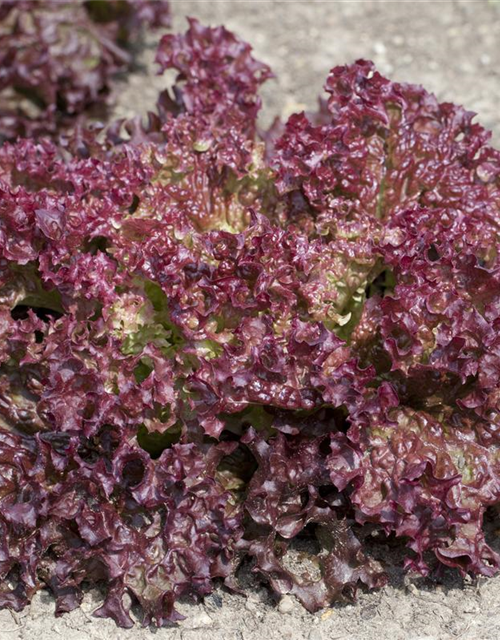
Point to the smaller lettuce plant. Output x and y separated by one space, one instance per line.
58 58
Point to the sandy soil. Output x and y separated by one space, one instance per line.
452 49
409 608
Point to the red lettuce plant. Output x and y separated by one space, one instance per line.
209 350
58 58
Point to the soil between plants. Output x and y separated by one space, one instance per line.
450 47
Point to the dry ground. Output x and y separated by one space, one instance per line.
453 49
450 47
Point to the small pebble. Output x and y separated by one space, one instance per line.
471 607
379 47
198 621
216 600
286 605
250 605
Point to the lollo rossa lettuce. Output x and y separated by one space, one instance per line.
58 59
215 341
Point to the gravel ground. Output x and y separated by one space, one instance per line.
452 49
